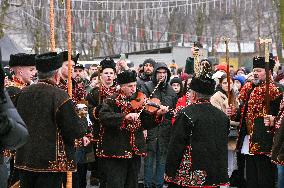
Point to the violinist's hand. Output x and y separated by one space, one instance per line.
86 141
268 120
162 110
132 117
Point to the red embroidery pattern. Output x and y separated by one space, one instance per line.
106 92
185 176
256 102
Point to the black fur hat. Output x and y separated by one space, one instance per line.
126 77
203 85
22 59
73 58
259 62
49 61
107 63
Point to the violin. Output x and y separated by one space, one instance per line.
141 102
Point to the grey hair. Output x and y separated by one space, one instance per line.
46 75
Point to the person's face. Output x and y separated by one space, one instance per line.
64 68
108 76
258 75
92 70
94 82
240 72
78 74
161 75
129 89
27 73
148 68
237 84
176 87
224 84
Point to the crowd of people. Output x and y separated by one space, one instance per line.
149 126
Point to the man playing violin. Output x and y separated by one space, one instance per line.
122 142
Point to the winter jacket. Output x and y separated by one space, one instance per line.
13 133
160 134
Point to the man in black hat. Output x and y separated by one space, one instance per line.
79 75
122 140
78 91
105 88
23 66
146 75
54 127
255 140
197 155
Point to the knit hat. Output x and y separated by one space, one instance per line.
176 80
151 61
241 79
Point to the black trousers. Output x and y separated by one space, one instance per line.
260 172
40 179
122 173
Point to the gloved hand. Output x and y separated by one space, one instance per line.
2 79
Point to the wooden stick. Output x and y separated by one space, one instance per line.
51 24
226 41
69 43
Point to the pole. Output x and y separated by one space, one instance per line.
226 41
69 44
51 24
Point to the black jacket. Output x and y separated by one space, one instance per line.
13 133
117 142
278 141
142 79
198 147
168 97
53 126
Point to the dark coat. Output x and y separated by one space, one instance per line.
116 142
161 133
198 146
13 133
142 79
53 126
277 156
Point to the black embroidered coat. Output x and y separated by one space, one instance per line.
197 154
53 126
116 141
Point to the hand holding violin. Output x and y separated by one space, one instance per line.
162 110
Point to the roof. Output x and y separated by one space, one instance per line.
8 47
